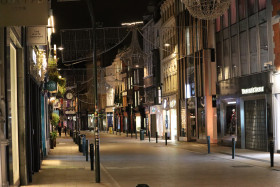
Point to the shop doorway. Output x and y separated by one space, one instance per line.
255 125
173 122
153 125
230 120
192 122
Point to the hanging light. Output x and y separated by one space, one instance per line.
206 9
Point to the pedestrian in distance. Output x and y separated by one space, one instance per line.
59 128
65 130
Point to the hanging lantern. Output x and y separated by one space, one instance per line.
206 9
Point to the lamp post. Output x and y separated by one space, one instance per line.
95 109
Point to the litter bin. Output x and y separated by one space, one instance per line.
110 130
141 134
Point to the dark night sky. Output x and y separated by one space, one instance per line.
70 15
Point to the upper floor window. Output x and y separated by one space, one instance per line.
225 19
262 4
233 12
251 7
242 9
218 24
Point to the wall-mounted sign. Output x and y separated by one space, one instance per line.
252 90
37 35
23 12
51 86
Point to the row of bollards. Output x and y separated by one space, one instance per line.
233 145
83 146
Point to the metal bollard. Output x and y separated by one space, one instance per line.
271 153
86 150
120 133
136 134
156 137
208 143
131 133
97 161
84 145
91 157
233 147
126 133
165 138
149 136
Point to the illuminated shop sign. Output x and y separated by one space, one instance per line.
252 90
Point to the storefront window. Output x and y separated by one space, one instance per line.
219 62
242 9
234 56
251 7
184 124
226 59
218 24
13 110
243 41
263 45
253 50
262 4
230 125
225 20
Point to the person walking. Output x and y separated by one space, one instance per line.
59 128
65 130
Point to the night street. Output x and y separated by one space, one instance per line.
127 161
139 93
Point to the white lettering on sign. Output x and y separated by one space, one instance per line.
252 90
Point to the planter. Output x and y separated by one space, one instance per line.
51 144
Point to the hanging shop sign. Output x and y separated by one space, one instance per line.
51 86
36 35
252 90
23 13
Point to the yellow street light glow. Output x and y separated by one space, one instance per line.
59 76
60 48
166 44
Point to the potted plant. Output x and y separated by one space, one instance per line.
53 136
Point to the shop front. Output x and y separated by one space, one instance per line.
191 119
155 120
169 117
109 119
244 108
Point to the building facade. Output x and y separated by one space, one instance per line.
169 77
246 56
